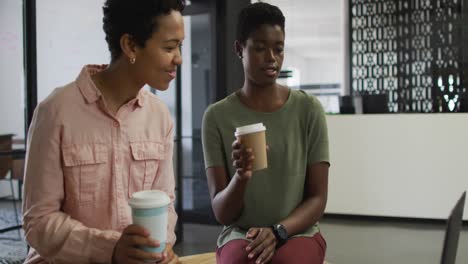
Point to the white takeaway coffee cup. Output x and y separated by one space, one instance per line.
149 210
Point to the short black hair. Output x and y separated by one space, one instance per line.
134 17
254 15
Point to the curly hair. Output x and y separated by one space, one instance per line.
136 18
255 15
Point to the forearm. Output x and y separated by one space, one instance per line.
60 239
305 215
171 224
228 203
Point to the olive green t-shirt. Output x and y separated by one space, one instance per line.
296 135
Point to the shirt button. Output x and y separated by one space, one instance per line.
116 124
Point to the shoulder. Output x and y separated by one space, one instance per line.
221 107
59 100
157 115
307 102
155 104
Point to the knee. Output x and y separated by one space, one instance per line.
233 253
299 250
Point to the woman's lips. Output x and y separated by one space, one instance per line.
172 74
270 72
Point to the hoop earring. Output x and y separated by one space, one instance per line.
132 60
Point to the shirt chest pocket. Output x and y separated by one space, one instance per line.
85 170
146 158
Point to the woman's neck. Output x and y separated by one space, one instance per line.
268 98
116 86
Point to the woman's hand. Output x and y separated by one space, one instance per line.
263 244
242 160
127 249
169 256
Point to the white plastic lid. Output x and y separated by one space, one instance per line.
149 199
249 129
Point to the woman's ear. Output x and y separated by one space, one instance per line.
238 49
129 47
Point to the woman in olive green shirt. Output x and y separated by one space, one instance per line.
271 214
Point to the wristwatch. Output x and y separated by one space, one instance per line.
280 233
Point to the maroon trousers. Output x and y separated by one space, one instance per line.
298 250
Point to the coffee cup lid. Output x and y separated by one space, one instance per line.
149 199
249 129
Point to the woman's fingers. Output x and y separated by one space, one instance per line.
252 233
266 255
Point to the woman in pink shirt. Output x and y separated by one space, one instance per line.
97 140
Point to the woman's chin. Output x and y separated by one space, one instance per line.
160 86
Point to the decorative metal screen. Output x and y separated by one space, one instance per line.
411 51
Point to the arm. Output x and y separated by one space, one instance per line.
316 185
55 235
128 248
165 182
227 195
315 200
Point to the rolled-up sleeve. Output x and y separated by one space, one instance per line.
165 181
52 233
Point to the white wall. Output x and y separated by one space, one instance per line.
69 35
11 68
402 165
319 70
11 73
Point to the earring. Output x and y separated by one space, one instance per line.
132 60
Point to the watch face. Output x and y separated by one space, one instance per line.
283 234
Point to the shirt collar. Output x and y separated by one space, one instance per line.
89 90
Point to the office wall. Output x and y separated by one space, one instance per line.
69 35
317 70
11 68
12 102
401 165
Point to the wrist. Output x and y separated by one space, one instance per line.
281 234
241 179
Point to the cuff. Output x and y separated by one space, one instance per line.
102 248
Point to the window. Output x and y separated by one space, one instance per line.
411 52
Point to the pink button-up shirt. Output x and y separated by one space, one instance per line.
83 164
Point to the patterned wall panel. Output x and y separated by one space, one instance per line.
410 51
